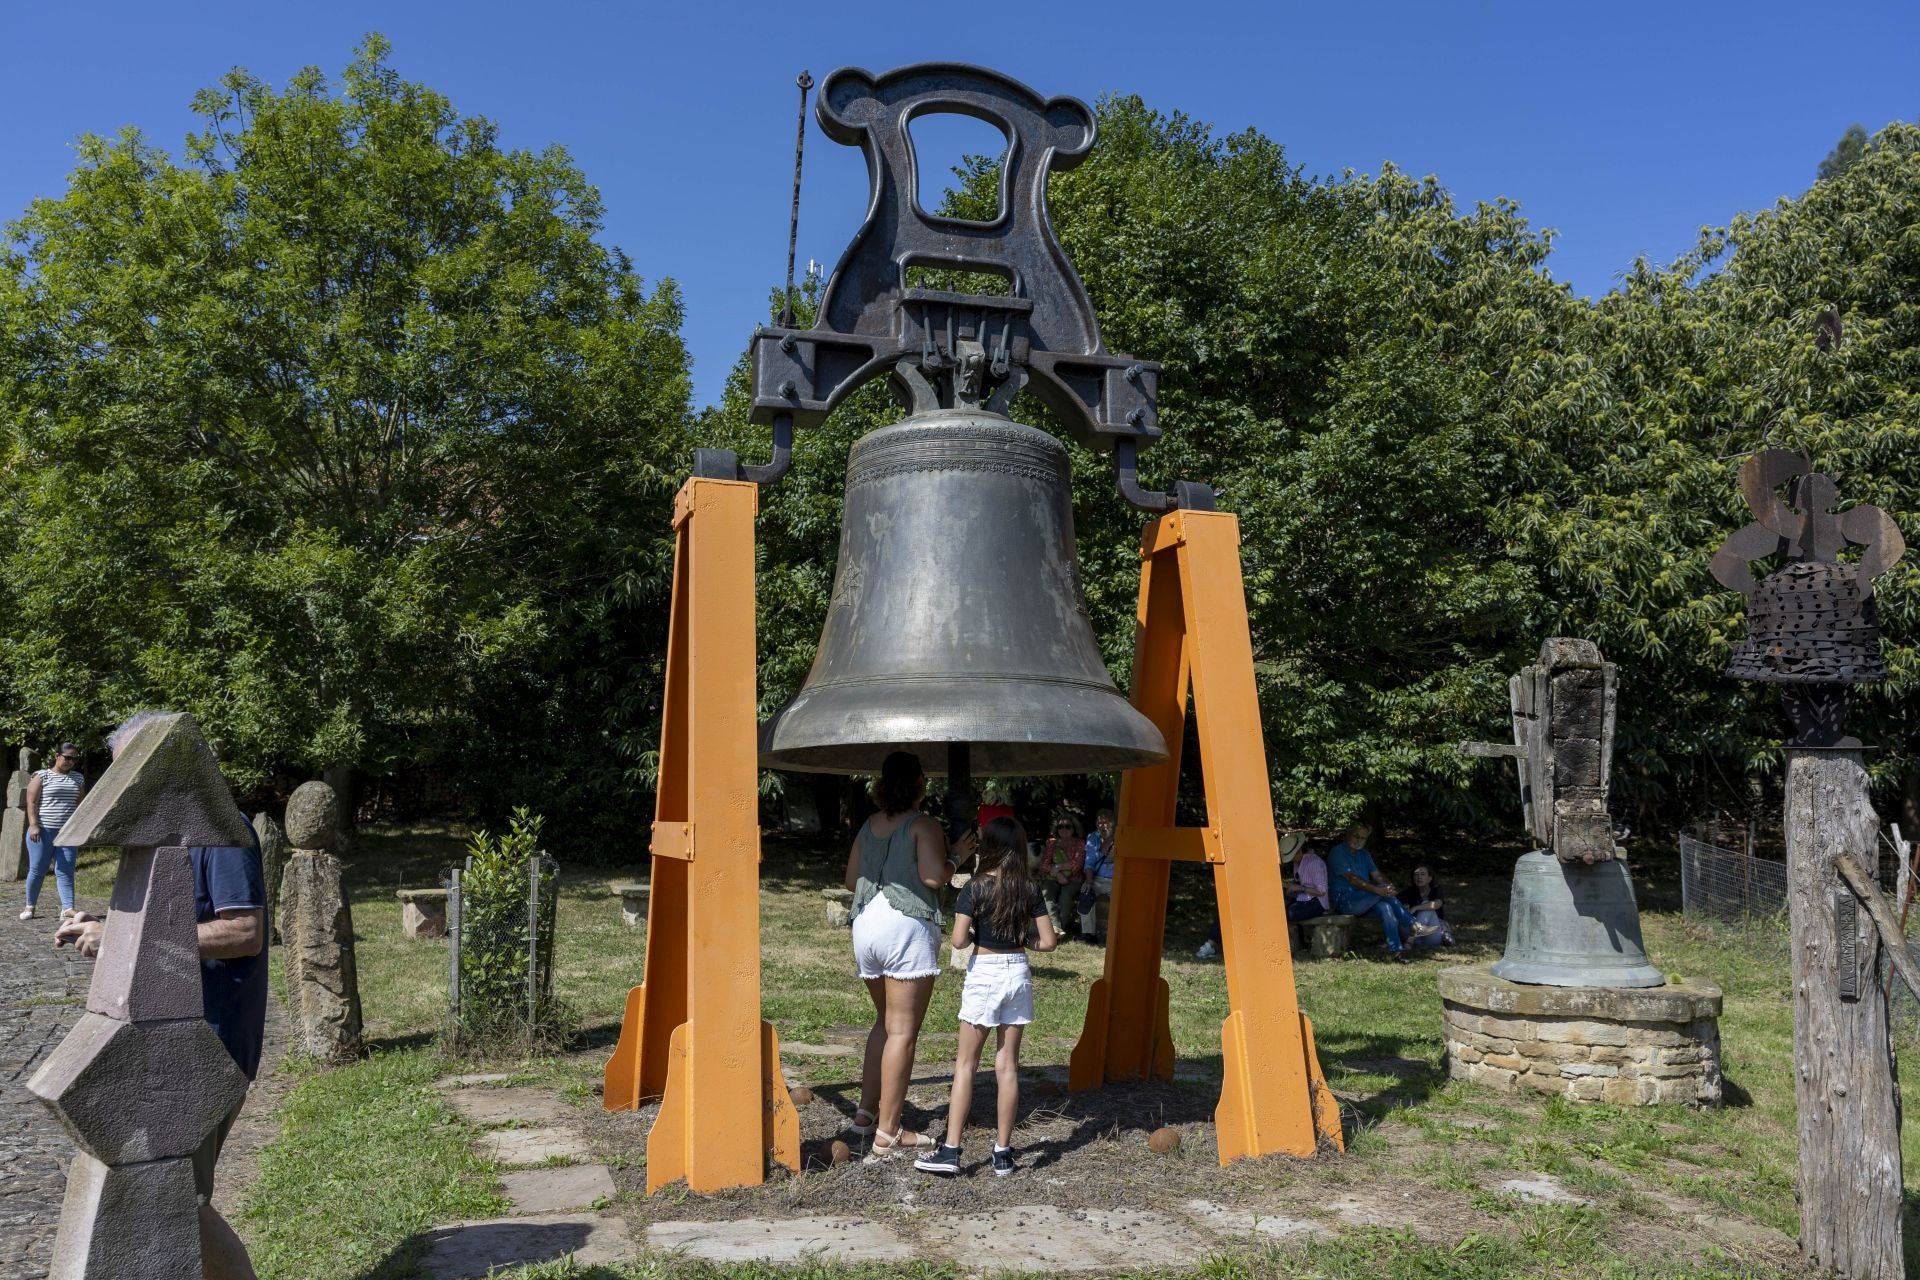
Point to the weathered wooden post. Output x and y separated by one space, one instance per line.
1813 629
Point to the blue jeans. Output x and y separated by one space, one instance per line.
1395 920
1441 934
40 853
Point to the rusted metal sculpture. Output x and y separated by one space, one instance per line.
1811 625
1813 629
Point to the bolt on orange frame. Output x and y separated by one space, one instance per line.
693 1035
1193 633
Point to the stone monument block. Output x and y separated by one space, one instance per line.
184 1077
13 820
273 863
126 1223
1578 702
13 844
149 965
316 929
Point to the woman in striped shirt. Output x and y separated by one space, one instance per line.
52 796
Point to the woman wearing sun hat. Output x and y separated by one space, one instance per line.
52 796
1302 904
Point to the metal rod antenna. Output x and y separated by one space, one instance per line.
805 82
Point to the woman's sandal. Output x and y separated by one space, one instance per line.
897 1145
863 1130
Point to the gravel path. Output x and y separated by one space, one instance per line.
42 993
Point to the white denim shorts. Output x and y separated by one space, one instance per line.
999 991
888 943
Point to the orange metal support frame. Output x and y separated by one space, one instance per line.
1193 632
693 1035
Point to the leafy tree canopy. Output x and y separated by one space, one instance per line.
342 432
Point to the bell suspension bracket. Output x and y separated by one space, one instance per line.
947 348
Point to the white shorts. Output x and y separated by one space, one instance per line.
887 943
999 991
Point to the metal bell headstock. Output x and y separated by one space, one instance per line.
945 349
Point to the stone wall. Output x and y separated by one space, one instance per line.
1601 1044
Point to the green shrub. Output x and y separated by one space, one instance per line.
493 1006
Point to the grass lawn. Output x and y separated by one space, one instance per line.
369 1155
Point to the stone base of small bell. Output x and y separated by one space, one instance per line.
1630 1046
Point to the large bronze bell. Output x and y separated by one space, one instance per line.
957 615
1571 925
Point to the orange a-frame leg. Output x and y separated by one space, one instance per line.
693 1035
1193 632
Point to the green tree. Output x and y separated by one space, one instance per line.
1791 328
1323 351
345 434
1845 154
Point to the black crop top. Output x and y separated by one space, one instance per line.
983 933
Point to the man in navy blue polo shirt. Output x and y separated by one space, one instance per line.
230 901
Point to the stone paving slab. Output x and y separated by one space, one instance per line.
467 1250
834 1238
1542 1189
573 1186
500 1106
1244 1223
1043 1238
533 1146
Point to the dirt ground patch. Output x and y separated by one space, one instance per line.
1088 1152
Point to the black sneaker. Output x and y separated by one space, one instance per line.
1002 1161
945 1159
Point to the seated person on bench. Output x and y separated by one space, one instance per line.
1358 889
1307 895
1422 899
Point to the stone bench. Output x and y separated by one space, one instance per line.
633 902
1328 935
839 908
423 912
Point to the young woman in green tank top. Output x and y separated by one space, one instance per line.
899 862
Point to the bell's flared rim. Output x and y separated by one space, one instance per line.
1015 727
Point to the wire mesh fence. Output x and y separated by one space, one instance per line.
1738 890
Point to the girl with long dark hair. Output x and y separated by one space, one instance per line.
1001 914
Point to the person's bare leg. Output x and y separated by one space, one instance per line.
972 1040
222 1256
906 1008
876 1042
1006 1073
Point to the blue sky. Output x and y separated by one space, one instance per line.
1625 126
